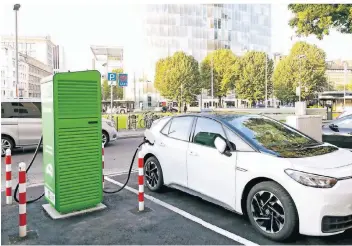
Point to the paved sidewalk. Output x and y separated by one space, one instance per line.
119 224
123 134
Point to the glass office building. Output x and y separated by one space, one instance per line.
196 29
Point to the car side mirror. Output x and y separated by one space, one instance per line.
334 127
221 145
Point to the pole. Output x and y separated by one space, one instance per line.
8 170
135 89
16 30
344 84
22 201
300 77
140 182
212 82
266 80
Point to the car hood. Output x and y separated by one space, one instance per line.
337 164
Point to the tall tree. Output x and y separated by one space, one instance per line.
254 67
105 90
223 65
318 19
177 77
118 91
305 64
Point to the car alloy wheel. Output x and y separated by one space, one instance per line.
152 174
105 138
268 212
5 144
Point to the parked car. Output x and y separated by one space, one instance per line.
283 180
339 132
21 124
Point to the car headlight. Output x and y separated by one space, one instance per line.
311 180
110 123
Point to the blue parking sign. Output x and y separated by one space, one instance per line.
123 79
111 76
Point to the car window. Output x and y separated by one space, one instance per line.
206 131
345 122
180 128
8 110
29 110
237 141
166 128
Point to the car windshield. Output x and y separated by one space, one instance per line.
277 137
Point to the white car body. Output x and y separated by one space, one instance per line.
26 131
345 112
221 179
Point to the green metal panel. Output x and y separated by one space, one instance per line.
77 140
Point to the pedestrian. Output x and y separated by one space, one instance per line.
185 108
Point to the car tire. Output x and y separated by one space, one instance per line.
151 173
105 136
263 190
9 144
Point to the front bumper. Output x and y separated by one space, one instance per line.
323 212
113 135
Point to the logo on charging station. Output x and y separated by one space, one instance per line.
49 170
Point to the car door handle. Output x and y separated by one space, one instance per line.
193 153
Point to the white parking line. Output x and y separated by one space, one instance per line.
190 216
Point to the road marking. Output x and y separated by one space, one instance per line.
189 216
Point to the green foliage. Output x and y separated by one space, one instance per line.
105 90
118 91
225 71
310 70
178 74
342 87
251 84
318 19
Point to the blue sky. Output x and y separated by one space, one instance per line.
76 25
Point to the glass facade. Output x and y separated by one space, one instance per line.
198 29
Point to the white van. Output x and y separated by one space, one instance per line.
21 124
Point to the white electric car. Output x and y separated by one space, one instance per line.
283 180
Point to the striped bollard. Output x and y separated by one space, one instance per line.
102 149
22 200
8 177
140 182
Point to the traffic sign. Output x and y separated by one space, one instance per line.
123 79
111 76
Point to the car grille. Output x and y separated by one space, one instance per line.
336 223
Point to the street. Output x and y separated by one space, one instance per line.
118 156
175 217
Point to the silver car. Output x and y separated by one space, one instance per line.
21 124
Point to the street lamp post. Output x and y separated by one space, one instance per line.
300 73
266 80
16 8
344 84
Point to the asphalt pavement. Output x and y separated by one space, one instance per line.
117 157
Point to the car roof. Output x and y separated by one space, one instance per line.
21 99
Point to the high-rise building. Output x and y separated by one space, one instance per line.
40 48
59 63
30 71
196 29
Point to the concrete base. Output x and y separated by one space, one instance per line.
56 215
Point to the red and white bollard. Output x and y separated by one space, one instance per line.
140 182
8 177
22 200
102 152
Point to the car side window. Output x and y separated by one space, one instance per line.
8 110
206 131
29 110
166 128
237 143
180 128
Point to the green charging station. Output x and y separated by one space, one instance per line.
72 142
